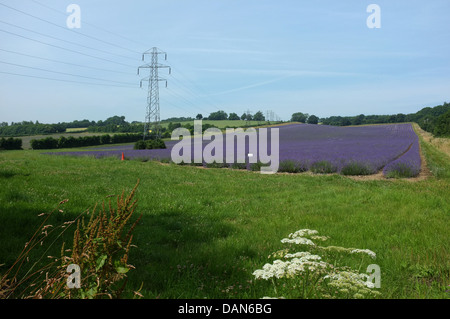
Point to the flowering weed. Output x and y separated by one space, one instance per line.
100 249
309 275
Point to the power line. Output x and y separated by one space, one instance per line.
62 62
67 29
63 73
62 80
70 50
90 24
70 42
195 85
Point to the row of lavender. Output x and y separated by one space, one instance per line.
407 165
359 150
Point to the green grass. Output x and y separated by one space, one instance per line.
204 231
76 130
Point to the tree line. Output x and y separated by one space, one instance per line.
222 116
435 120
432 119
10 143
82 141
114 124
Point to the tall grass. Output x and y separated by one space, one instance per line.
99 250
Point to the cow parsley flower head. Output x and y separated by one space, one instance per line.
302 262
332 281
299 237
303 233
352 283
298 241
364 251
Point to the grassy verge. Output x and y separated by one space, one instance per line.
204 231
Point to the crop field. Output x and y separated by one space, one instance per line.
213 233
361 150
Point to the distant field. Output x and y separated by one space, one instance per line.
224 123
76 130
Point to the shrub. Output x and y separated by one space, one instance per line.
256 166
323 167
356 168
45 143
239 166
150 144
155 144
140 145
105 139
11 143
291 166
63 142
401 170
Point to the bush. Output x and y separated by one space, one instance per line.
291 166
401 170
140 145
105 139
323 167
11 143
149 144
256 166
239 166
45 143
63 142
156 144
356 168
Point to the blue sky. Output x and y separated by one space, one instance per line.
316 57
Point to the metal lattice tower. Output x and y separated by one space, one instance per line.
152 117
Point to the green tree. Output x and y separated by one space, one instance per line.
199 116
217 116
233 117
442 126
358 120
312 119
259 116
299 117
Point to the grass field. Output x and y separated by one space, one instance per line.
204 231
222 124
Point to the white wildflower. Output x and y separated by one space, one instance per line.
300 255
288 269
345 279
298 241
303 233
364 251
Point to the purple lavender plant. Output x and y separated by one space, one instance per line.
407 165
358 150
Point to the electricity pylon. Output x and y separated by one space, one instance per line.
152 124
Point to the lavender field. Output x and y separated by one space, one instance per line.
362 150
